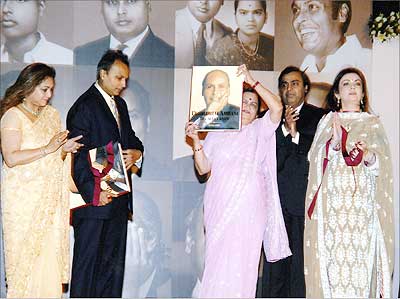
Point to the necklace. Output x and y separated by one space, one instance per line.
35 113
244 47
349 111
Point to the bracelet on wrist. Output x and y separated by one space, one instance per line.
42 151
45 151
370 160
255 84
336 146
198 149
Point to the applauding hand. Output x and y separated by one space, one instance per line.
336 131
291 116
71 146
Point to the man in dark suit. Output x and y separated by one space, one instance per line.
127 22
294 137
100 227
196 31
218 114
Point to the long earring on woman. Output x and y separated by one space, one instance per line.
362 105
338 103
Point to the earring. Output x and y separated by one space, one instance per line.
362 105
338 103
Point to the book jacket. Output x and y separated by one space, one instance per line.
109 170
216 98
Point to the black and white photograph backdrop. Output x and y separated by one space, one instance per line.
163 40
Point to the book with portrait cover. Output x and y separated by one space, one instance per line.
216 98
109 170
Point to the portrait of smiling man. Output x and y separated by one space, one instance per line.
320 27
128 24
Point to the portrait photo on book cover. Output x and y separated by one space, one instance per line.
216 98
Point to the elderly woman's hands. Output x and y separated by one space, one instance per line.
191 131
200 159
242 70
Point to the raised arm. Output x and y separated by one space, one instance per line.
270 99
200 159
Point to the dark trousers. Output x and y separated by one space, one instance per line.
285 278
99 257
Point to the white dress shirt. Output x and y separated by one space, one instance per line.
195 25
108 100
350 54
44 51
132 44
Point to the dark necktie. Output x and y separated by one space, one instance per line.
122 47
200 47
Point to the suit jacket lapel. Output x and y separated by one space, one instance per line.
304 116
104 44
122 120
104 106
143 49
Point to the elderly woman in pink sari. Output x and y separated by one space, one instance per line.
241 201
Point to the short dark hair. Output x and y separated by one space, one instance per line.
262 2
108 59
291 69
331 99
336 5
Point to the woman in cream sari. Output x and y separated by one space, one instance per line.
34 187
349 230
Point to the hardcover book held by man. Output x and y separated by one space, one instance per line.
109 171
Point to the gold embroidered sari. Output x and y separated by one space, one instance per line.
35 213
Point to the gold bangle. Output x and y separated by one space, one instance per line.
337 146
42 152
368 161
198 149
